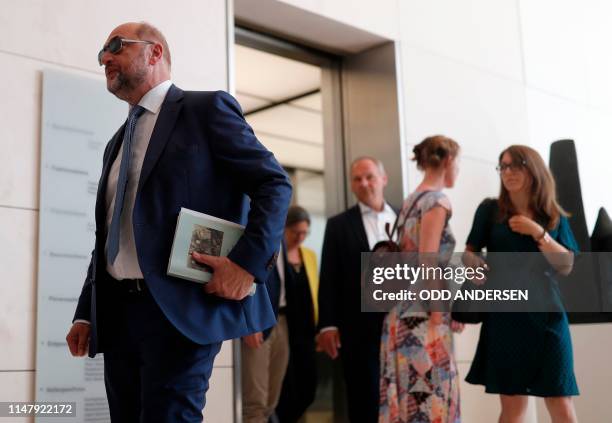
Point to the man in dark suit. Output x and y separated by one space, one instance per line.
343 330
160 334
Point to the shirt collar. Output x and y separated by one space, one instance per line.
153 99
367 209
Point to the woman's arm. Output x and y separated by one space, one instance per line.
432 225
559 257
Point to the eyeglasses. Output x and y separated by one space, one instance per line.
513 167
115 45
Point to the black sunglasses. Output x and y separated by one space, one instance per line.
115 45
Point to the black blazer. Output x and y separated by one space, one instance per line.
299 304
339 282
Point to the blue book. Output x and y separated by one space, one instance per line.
204 234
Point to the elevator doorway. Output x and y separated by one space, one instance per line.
285 91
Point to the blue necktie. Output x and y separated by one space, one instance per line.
115 226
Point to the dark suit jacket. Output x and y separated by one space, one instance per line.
203 156
340 289
273 285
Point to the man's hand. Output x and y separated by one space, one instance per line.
229 280
255 340
329 341
457 327
436 318
78 339
472 260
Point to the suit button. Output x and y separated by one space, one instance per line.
272 261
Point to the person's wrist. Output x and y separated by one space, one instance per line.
539 233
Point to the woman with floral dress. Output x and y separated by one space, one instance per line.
419 380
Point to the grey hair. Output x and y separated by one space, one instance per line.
378 163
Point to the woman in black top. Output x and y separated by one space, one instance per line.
301 285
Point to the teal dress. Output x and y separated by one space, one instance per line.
521 353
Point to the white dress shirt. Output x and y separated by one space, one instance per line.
374 222
126 264
280 267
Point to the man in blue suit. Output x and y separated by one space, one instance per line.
160 334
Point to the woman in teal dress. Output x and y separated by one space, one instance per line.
522 354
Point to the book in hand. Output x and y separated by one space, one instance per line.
204 234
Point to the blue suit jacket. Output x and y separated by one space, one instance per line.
203 156
273 285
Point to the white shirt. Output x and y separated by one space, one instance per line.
280 267
374 222
126 264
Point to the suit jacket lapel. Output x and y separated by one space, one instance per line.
354 216
161 133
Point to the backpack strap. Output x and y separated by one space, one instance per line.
400 228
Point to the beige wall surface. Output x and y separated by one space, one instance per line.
66 35
377 17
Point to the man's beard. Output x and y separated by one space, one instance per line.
125 82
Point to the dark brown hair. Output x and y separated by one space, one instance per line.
543 196
431 152
297 214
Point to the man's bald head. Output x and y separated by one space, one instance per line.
146 31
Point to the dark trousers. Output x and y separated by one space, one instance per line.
152 372
300 383
361 367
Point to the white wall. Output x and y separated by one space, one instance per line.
66 35
568 72
376 17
